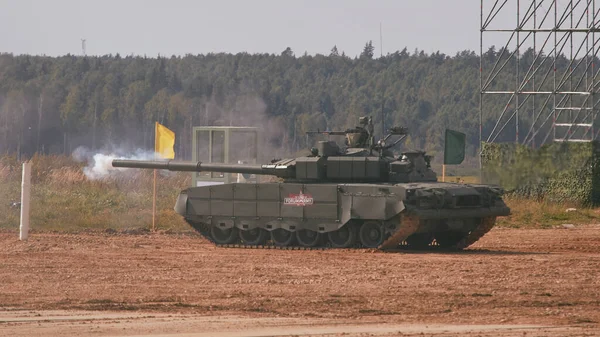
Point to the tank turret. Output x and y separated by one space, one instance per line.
361 194
361 160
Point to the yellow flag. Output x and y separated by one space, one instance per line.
164 142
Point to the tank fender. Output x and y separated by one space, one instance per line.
369 206
181 203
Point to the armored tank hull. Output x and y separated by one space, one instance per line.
349 215
362 195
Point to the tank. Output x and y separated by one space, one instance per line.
361 194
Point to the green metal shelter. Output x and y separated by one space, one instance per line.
223 144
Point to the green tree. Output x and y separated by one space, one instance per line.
287 52
71 113
334 51
368 51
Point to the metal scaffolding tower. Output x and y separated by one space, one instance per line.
550 58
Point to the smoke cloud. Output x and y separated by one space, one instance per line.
99 163
245 107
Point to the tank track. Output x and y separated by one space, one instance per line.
486 225
204 230
408 226
241 245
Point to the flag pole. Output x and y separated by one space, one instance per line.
154 180
154 203
443 173
164 142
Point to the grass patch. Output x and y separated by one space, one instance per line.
526 213
64 199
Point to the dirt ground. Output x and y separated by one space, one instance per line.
512 282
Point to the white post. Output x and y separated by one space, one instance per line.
25 193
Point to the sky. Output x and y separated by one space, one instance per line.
179 27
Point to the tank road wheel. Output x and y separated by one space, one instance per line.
419 241
308 238
371 234
255 236
224 236
449 239
282 237
343 238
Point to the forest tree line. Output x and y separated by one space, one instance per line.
55 104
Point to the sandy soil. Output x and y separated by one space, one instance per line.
512 282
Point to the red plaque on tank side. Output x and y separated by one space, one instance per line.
298 199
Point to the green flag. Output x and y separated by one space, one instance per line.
454 149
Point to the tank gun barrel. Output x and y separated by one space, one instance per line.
282 171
